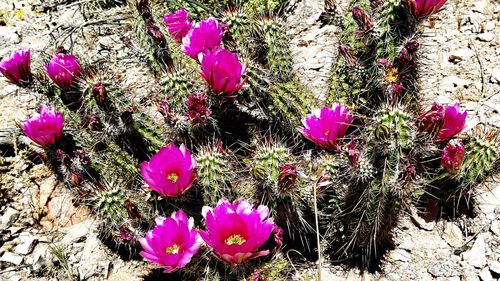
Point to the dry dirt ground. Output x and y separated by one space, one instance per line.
44 236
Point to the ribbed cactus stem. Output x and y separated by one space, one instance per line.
213 173
479 161
110 204
394 128
279 57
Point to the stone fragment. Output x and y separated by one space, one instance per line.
485 275
476 256
452 234
463 54
444 268
9 216
26 246
495 267
486 37
11 258
400 255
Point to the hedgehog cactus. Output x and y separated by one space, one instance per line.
481 159
279 57
213 173
395 127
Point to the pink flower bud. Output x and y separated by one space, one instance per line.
424 8
204 35
16 67
197 110
327 126
223 71
44 128
452 156
178 24
63 70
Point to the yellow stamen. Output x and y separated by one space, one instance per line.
174 249
392 75
173 177
327 133
235 239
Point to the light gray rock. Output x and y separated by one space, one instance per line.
9 216
463 54
486 37
78 232
26 246
495 267
420 222
495 75
11 258
476 256
452 234
485 274
444 268
400 255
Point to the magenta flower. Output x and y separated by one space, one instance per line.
204 35
170 172
16 67
452 156
444 121
45 127
325 127
172 243
424 8
236 230
178 24
223 71
63 70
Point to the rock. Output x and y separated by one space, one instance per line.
420 222
495 75
9 216
495 267
443 268
452 234
479 6
469 276
26 246
77 232
40 256
8 36
476 256
488 200
486 37
400 255
94 259
461 55
485 275
11 258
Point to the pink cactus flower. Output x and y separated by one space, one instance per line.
424 8
204 35
452 156
45 127
236 230
64 70
178 24
16 67
327 126
170 172
172 243
223 71
444 121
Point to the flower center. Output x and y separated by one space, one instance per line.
327 132
392 75
235 239
174 249
173 177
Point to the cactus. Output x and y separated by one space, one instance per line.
213 173
279 57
